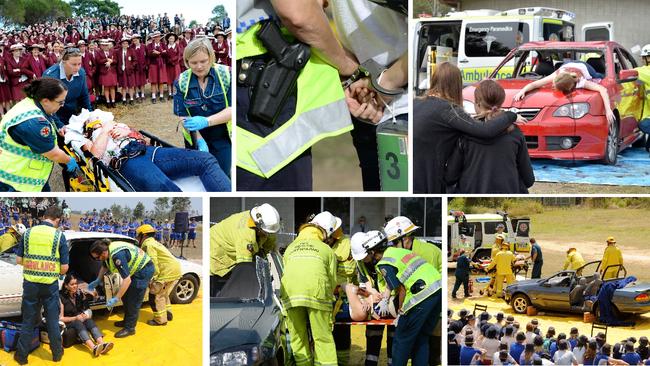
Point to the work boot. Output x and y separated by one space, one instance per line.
119 323
170 316
124 332
57 358
20 361
155 323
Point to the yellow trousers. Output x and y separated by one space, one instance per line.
509 278
320 322
161 292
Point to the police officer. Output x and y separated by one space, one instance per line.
375 284
9 239
167 272
611 257
418 284
274 153
399 231
238 238
136 269
44 255
310 302
29 139
503 261
203 100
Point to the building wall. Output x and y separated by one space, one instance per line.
630 17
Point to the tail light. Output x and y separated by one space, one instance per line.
642 298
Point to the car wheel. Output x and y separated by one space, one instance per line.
185 290
520 303
611 147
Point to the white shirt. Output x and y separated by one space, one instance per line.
371 31
583 69
491 347
564 358
579 353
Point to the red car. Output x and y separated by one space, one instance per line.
573 126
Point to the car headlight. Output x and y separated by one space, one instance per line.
235 358
469 108
572 110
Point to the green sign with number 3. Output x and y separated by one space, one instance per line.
393 155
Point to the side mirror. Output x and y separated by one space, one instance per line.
625 76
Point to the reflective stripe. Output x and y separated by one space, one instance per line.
307 299
372 358
411 269
389 259
310 127
420 296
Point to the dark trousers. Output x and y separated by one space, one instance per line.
133 297
413 331
537 270
295 176
374 335
343 342
461 280
37 296
364 138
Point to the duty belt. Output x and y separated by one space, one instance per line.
249 70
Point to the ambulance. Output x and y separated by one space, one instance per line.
480 230
478 40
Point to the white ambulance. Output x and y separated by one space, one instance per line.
478 40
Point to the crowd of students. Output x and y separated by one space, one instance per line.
502 340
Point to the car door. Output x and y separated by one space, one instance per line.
11 285
632 96
554 291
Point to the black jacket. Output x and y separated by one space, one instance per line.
500 165
437 126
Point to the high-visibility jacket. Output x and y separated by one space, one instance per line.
41 259
167 268
503 262
320 110
611 257
346 266
644 77
309 275
380 284
573 261
139 258
223 78
428 252
7 241
410 269
233 240
20 167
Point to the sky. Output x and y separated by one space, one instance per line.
88 203
199 10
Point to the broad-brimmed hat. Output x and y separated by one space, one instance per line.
221 33
188 30
136 35
36 45
17 46
104 41
81 42
125 39
154 34
69 45
611 240
169 35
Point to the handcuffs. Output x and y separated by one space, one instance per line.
371 69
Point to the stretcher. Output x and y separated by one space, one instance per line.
94 175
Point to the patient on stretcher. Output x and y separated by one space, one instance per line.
147 168
359 305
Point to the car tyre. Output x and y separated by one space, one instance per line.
185 290
611 145
520 303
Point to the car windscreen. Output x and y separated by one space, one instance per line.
244 284
540 62
8 258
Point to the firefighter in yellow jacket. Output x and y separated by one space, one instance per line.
238 238
611 257
573 260
167 272
307 294
503 261
644 79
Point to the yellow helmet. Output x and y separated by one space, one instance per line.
500 236
144 229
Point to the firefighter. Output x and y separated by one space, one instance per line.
9 239
400 231
503 262
612 257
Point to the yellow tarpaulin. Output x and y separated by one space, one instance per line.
177 343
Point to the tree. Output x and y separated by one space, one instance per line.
219 14
193 23
33 11
96 8
138 211
12 11
181 204
161 206
117 211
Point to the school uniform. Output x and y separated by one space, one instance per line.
222 51
156 63
88 63
125 67
5 86
171 62
18 79
140 65
36 66
107 75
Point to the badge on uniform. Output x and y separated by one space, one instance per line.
45 131
250 248
118 262
383 272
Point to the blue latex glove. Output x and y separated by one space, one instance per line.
94 284
202 145
72 165
195 123
112 302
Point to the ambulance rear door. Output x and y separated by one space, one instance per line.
598 31
436 41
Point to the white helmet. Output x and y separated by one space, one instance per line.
362 242
266 218
399 227
645 51
20 229
327 222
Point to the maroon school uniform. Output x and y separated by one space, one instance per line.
16 73
157 70
52 59
125 67
37 66
221 52
140 67
172 63
107 74
5 87
88 63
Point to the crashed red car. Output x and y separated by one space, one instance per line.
573 126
